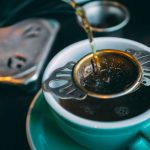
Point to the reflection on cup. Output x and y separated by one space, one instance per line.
107 18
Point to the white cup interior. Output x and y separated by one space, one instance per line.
73 53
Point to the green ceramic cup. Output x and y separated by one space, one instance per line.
132 134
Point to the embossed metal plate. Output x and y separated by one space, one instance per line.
24 48
143 58
61 83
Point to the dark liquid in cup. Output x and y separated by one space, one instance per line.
117 73
117 109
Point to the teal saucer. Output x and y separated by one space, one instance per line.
42 131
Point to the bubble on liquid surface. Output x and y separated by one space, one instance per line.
122 111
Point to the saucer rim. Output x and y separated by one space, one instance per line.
28 133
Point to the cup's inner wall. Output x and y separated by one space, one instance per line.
118 72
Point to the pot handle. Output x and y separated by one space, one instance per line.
142 140
61 84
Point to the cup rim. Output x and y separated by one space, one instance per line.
114 4
51 99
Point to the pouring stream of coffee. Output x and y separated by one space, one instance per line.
88 29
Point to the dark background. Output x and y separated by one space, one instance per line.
14 102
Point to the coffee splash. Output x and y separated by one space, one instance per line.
88 29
